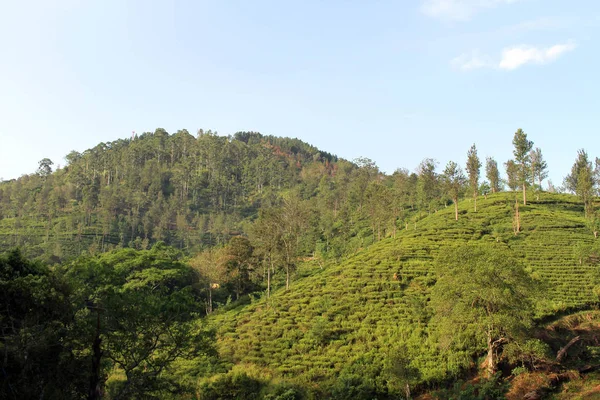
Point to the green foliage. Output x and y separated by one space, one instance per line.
237 386
141 307
492 174
36 324
522 161
531 353
483 297
486 389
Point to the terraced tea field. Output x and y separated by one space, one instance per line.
346 319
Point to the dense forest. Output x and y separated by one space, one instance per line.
251 266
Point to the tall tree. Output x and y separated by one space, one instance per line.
493 174
583 181
473 170
292 222
522 149
483 296
266 236
454 181
512 175
539 167
239 254
210 266
427 183
45 167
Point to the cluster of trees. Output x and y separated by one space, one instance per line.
128 313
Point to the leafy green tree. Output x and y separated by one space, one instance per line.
473 170
539 167
512 175
483 298
45 167
266 236
292 222
522 149
454 182
140 312
492 174
427 184
212 272
238 259
40 358
582 181
379 207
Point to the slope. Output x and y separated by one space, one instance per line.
365 320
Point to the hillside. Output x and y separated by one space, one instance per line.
357 321
190 192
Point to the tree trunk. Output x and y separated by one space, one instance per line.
269 278
517 221
287 276
210 307
490 359
524 195
475 198
455 208
562 353
95 391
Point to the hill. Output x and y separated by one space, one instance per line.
190 192
361 322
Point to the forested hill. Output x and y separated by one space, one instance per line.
187 191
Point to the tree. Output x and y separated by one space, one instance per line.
483 298
138 313
44 167
522 149
39 357
379 207
238 259
473 168
582 181
266 236
427 184
454 181
512 173
493 174
539 167
292 222
211 269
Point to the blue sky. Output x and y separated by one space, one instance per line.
394 81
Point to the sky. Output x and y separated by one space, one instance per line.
393 81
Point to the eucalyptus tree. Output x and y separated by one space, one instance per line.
583 181
521 151
473 170
492 174
428 185
539 167
512 175
454 182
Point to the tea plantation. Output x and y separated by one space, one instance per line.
364 323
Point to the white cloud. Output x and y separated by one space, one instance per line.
458 10
473 60
512 57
